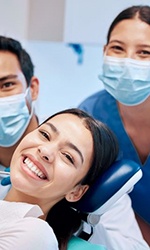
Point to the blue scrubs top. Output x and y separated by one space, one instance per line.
102 106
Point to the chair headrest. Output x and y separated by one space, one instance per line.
108 188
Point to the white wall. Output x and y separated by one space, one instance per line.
87 21
80 21
13 18
63 82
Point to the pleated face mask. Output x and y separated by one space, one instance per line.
127 80
14 117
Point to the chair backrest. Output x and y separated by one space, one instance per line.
119 179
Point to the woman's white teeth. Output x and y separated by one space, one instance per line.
34 168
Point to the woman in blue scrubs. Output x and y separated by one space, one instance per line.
124 105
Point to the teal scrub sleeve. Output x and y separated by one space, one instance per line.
77 243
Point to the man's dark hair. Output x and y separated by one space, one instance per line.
15 47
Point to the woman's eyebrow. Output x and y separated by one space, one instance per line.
116 41
144 46
71 145
53 128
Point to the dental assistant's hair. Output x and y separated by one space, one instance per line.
142 12
8 44
64 220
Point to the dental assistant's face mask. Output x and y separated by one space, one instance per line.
14 117
127 80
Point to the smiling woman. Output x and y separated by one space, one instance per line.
52 166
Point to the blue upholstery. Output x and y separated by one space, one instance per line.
119 179
109 187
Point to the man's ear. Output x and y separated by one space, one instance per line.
34 88
76 193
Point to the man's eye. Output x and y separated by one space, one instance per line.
45 134
7 85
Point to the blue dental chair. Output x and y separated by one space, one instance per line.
119 179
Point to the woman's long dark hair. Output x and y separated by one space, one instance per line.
140 11
62 218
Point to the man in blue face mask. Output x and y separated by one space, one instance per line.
18 89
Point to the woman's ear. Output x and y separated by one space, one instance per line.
76 193
104 49
34 88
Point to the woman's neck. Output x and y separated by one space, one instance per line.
16 196
136 121
136 115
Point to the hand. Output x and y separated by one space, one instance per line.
6 181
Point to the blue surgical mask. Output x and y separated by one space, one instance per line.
127 80
14 117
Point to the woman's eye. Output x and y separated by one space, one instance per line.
144 52
68 157
45 134
117 48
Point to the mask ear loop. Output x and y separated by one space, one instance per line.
29 104
104 56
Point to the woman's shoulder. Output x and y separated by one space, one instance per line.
29 233
99 101
92 99
38 230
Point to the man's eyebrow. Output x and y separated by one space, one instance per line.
4 78
71 145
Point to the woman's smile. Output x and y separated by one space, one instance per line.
33 168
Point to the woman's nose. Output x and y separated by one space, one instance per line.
46 154
130 54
